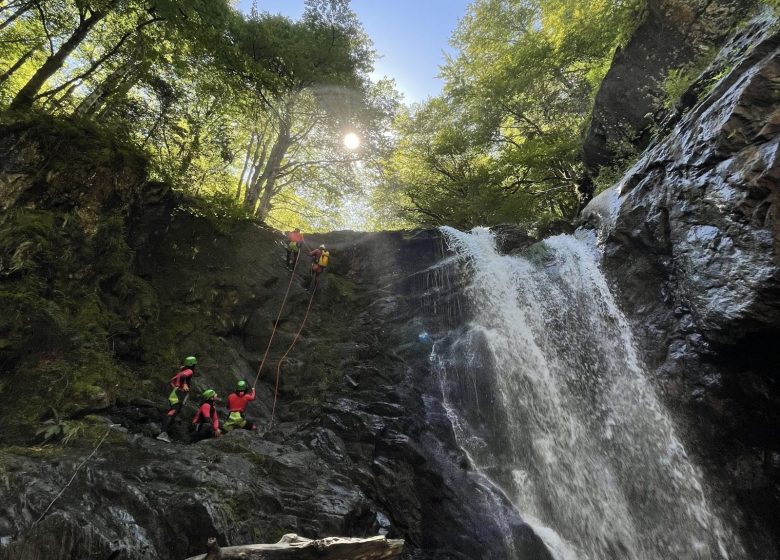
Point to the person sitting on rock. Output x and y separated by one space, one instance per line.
294 244
237 403
320 260
205 423
180 388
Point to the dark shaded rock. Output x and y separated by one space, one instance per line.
672 34
692 240
340 459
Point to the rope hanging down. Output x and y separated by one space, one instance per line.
72 478
276 323
295 339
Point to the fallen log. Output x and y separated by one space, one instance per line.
293 547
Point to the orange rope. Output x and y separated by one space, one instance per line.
279 367
276 323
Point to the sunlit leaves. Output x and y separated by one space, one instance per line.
517 95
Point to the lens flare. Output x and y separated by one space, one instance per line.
351 141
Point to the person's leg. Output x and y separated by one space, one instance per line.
248 424
173 411
233 421
203 431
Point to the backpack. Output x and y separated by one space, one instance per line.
324 259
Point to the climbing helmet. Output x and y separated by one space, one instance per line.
209 394
241 385
190 361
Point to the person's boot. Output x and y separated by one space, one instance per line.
164 437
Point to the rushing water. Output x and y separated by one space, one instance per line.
549 398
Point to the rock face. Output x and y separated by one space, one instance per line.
692 240
672 34
360 445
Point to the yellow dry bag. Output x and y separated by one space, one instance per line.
324 259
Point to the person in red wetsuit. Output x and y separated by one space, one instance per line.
320 259
205 423
180 388
237 403
294 244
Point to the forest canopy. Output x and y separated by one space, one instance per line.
502 142
246 110
250 111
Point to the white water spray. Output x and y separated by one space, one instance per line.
588 454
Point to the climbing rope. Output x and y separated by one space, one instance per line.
72 478
295 339
279 316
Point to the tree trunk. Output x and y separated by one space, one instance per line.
266 180
293 547
25 97
18 64
246 165
126 73
26 6
97 63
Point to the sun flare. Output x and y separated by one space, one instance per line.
351 141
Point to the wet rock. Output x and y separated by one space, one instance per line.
692 240
338 459
672 34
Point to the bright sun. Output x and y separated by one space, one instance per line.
351 141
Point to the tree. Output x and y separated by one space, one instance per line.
88 17
517 95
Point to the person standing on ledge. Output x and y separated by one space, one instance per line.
180 391
294 244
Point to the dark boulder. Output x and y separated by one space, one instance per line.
672 34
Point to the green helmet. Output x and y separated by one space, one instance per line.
242 385
190 361
209 394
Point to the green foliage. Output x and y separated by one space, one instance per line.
502 143
198 88
677 82
57 430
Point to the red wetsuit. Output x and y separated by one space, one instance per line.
295 237
237 402
207 412
182 379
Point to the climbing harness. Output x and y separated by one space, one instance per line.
278 317
295 339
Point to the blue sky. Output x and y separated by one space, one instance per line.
410 36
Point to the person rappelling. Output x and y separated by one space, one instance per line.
237 403
205 423
180 389
294 244
319 264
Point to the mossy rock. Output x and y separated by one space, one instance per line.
538 253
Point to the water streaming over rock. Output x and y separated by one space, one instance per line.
549 398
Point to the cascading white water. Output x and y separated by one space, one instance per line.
593 454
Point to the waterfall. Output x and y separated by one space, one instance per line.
550 400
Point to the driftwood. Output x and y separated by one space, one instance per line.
293 547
